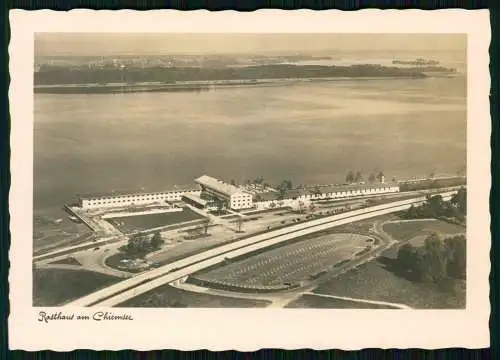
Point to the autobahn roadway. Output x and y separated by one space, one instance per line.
132 287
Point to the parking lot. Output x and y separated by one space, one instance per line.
291 263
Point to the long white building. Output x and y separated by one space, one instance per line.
123 199
232 196
326 192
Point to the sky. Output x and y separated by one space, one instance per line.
106 44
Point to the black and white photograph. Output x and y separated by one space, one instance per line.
250 170
218 185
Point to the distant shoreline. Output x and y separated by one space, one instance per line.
191 86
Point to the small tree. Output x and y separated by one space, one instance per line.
157 241
239 223
312 207
460 200
371 178
282 193
457 257
349 177
285 184
206 226
358 177
406 257
435 259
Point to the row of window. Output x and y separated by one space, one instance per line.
241 199
245 202
357 191
110 202
133 198
149 196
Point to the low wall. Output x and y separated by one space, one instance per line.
227 286
90 224
137 213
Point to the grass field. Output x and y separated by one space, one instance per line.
316 302
376 281
407 230
168 296
53 287
133 223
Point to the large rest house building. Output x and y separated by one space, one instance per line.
231 196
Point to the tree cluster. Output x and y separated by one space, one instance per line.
436 207
140 244
259 180
283 187
436 261
356 177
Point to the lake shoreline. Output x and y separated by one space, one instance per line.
187 86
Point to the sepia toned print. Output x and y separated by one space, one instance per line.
250 170
238 181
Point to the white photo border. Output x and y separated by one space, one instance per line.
252 329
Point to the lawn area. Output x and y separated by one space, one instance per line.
115 261
53 287
376 281
407 230
128 224
317 302
168 296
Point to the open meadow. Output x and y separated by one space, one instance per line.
54 287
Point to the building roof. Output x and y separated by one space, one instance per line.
113 193
219 185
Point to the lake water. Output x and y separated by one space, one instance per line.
308 133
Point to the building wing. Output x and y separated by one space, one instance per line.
218 185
